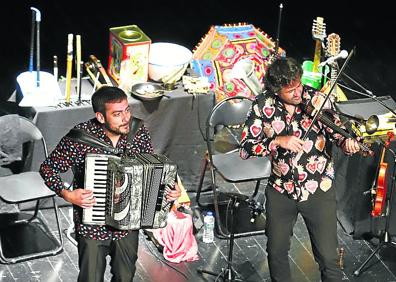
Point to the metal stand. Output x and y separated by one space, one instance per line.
228 273
385 238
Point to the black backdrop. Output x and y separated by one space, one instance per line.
366 27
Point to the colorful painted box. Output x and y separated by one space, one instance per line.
128 55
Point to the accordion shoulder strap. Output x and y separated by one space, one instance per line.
134 125
83 136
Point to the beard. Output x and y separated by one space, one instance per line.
119 130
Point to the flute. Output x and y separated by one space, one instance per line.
69 66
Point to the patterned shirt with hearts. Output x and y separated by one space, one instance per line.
296 175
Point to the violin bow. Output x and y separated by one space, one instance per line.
278 30
318 111
327 96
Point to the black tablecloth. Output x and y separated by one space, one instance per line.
175 123
356 176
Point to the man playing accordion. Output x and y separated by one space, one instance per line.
111 125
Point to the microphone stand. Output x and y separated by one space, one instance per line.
228 274
370 94
278 30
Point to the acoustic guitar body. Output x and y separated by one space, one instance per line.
312 72
311 77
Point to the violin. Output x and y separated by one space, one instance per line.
364 149
381 183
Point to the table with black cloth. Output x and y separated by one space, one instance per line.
175 122
356 176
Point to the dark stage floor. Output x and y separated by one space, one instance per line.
249 258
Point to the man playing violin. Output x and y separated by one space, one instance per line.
279 124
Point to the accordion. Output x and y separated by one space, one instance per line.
129 191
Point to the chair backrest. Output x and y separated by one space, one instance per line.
32 132
29 128
228 113
27 132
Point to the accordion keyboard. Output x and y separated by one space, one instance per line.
129 191
96 180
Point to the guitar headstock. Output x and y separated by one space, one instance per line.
333 45
319 29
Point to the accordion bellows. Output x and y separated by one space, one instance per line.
130 192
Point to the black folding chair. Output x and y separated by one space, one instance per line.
236 214
25 235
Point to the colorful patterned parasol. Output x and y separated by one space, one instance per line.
222 47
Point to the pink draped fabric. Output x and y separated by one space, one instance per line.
177 238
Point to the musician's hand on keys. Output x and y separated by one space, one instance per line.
80 197
172 193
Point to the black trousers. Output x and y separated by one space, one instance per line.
92 258
319 214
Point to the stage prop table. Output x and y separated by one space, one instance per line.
175 122
355 175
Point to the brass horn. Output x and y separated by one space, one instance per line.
371 124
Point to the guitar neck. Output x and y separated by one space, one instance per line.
333 76
317 55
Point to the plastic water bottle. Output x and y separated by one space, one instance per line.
209 222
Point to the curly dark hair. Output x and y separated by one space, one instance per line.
106 94
281 73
